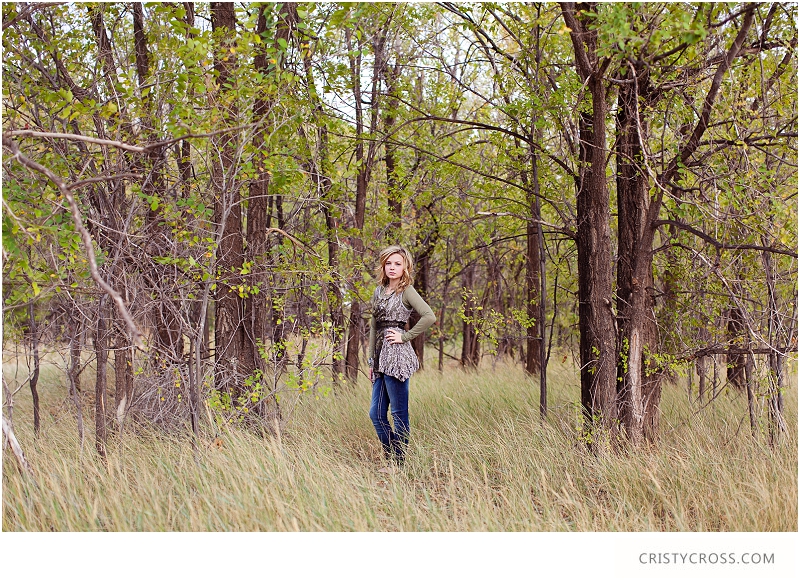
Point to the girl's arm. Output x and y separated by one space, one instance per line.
412 299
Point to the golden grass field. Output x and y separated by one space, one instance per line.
480 459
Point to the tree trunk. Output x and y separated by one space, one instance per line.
533 281
737 361
123 377
535 284
256 310
777 383
73 374
421 286
595 318
228 311
100 388
364 161
395 202
35 376
635 305
168 339
470 347
751 399
593 238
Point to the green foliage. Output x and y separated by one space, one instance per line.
493 93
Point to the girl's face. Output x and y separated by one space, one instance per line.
394 266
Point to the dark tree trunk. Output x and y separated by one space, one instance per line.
470 347
395 203
421 286
100 388
123 377
168 341
751 399
35 377
701 365
533 282
256 310
737 361
595 318
635 306
228 310
74 371
593 235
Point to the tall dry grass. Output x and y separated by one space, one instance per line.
480 459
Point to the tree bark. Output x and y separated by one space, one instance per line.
593 236
421 279
35 377
228 310
123 378
395 203
777 383
256 310
100 388
168 339
736 361
470 346
533 278
636 324
73 373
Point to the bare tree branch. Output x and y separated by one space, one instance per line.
718 244
136 335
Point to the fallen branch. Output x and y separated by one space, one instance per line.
15 447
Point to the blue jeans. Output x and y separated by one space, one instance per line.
386 391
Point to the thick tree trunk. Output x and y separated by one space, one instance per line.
168 338
595 317
637 327
635 306
777 383
228 310
123 377
737 361
593 235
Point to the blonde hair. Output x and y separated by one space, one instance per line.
406 279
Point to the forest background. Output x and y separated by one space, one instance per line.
194 196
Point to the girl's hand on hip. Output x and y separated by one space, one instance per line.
394 337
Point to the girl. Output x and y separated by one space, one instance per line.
392 360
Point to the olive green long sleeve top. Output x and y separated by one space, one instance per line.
411 299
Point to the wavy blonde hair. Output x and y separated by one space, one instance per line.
408 270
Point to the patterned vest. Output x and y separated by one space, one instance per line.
398 360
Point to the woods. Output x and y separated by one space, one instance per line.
194 195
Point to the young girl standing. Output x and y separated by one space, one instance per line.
392 360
